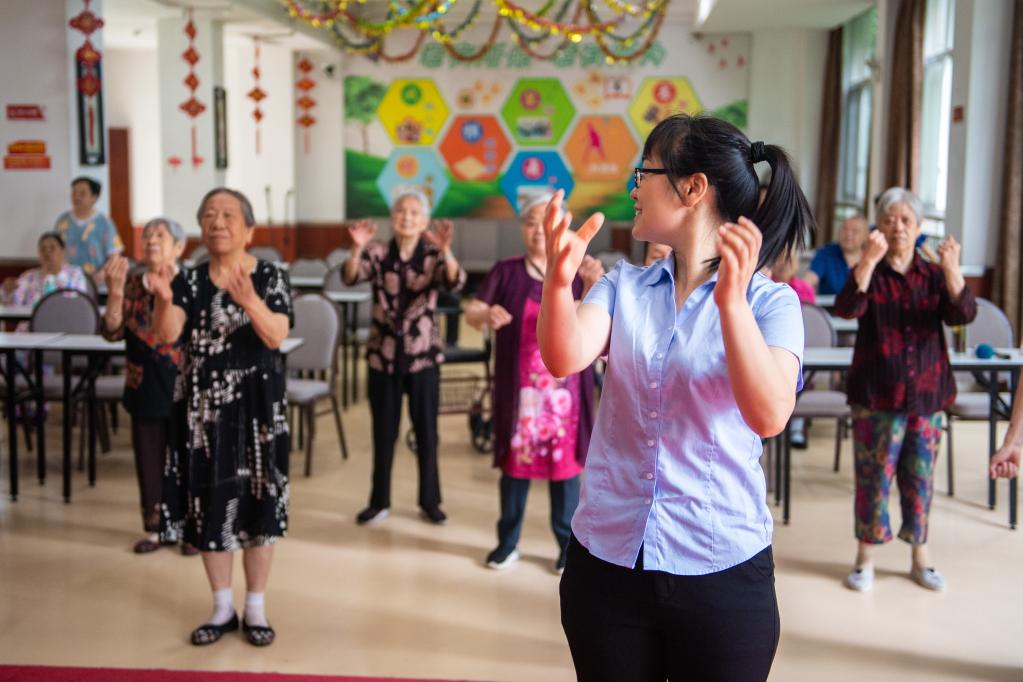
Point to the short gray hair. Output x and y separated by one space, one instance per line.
173 228
247 214
417 194
893 196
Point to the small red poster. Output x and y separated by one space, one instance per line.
27 155
25 112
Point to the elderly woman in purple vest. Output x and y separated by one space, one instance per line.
541 424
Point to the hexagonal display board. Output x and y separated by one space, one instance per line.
601 148
538 111
533 172
475 148
413 111
415 168
658 98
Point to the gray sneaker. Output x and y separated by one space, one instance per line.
860 579
929 578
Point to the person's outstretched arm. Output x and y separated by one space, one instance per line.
570 336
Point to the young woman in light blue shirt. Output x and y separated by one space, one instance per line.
669 572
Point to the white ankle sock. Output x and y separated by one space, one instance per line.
223 609
254 611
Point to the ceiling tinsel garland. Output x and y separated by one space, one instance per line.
625 34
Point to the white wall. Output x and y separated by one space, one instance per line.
274 165
319 174
133 102
983 34
786 83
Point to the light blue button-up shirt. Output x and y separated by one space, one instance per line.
672 466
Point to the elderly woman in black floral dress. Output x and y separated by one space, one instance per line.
151 366
403 351
232 456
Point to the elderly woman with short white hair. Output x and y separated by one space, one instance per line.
151 366
404 351
900 380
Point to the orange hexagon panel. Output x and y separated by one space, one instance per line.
601 148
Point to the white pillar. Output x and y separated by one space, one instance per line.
188 154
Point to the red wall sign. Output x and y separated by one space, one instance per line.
25 112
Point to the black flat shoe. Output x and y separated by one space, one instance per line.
209 633
258 635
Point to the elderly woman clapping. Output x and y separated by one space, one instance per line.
151 365
900 380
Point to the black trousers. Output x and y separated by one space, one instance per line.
385 396
651 626
150 437
514 491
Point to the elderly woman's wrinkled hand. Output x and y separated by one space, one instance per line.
239 286
116 274
442 234
160 283
498 317
876 248
361 232
948 255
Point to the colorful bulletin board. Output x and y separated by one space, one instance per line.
477 137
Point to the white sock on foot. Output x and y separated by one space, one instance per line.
223 609
255 614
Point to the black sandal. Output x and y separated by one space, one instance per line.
258 635
145 546
209 633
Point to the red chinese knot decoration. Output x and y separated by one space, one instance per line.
256 94
89 84
192 107
305 103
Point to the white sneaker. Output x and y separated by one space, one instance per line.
860 579
929 578
504 563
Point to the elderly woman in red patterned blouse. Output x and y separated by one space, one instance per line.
403 351
900 380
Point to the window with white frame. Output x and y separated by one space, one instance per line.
859 36
936 114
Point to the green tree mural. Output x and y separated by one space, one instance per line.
362 97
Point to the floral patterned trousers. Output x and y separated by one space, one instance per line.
895 445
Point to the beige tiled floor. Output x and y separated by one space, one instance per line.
408 599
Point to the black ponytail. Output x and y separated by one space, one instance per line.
703 144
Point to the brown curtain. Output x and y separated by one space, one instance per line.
828 151
902 157
1008 273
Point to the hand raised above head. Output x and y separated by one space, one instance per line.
361 232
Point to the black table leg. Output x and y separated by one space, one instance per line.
1014 483
992 428
787 449
344 355
90 407
776 444
11 376
40 418
65 361
353 320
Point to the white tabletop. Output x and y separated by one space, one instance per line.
825 300
844 326
291 343
348 296
15 312
85 343
26 340
841 358
307 282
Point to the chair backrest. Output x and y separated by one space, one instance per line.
308 267
318 324
818 331
92 290
267 253
991 326
65 310
337 257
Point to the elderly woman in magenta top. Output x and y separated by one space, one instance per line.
900 380
541 424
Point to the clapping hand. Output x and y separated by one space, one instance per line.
441 235
876 248
498 317
116 273
738 245
566 249
239 286
160 283
361 232
948 255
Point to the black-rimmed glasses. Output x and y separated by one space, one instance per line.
637 173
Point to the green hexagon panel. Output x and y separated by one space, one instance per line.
538 112
413 111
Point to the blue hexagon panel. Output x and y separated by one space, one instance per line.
413 168
532 172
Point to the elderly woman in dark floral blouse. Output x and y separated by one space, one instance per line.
404 351
900 380
151 366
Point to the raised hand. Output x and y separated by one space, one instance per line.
361 232
565 248
160 283
239 286
590 271
876 248
498 317
116 273
441 234
948 255
1005 463
738 245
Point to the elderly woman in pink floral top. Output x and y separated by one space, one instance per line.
404 351
541 424
53 273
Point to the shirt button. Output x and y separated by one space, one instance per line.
647 501
649 477
653 414
660 355
653 384
650 443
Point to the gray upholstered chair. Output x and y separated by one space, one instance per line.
267 253
319 326
308 267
